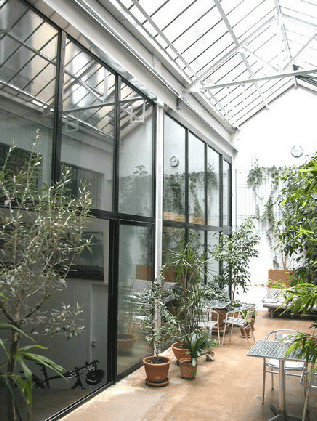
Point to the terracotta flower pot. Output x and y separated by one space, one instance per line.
125 342
187 370
156 368
179 352
246 332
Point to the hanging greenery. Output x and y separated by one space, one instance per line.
268 211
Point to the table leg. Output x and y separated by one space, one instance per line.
280 412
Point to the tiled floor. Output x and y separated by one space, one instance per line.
228 388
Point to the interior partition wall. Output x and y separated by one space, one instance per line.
59 97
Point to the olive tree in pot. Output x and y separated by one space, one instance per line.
159 325
41 230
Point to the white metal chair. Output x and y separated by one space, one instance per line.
234 319
309 381
271 366
210 320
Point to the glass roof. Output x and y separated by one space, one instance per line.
239 55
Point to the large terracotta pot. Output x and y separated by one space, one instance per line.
179 352
187 370
156 368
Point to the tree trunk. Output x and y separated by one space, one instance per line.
11 371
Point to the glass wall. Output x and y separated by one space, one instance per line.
136 132
90 121
213 182
135 274
88 124
197 192
27 83
226 193
196 180
174 170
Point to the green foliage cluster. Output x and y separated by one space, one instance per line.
235 252
269 211
300 219
174 314
41 230
199 344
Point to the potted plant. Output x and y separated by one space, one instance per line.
159 325
235 252
198 344
188 263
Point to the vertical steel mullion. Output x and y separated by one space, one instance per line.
230 198
206 185
154 179
116 152
58 108
112 301
186 185
221 192
206 206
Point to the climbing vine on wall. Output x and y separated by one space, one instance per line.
267 206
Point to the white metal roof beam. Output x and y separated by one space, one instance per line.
237 43
218 63
300 52
283 32
161 33
255 80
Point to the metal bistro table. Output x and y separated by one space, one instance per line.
276 349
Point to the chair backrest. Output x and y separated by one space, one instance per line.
282 334
213 315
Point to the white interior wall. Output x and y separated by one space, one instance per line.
268 137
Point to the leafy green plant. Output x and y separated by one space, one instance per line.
188 264
198 344
22 378
299 236
235 253
158 322
41 230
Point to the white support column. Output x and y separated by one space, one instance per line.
159 187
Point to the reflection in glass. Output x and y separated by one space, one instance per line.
226 192
135 273
196 179
88 124
213 265
135 184
213 187
174 170
27 82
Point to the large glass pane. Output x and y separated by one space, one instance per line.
135 274
213 187
27 84
213 265
88 124
226 192
174 170
87 287
196 180
135 163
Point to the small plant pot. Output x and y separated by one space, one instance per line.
245 332
125 342
156 368
179 352
187 370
